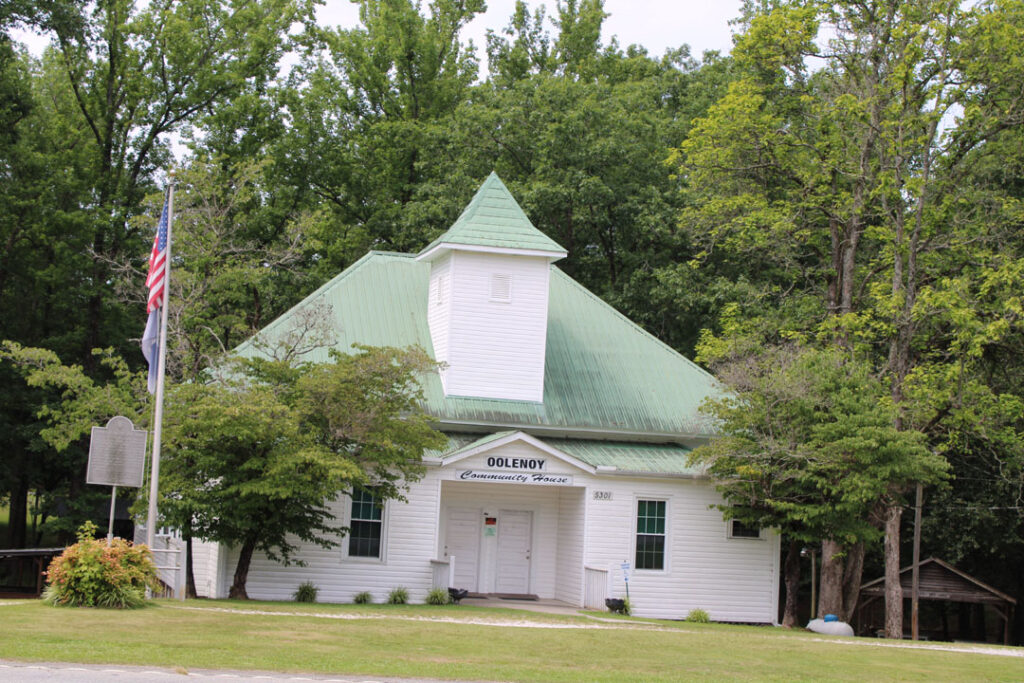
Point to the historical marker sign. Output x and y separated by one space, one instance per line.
117 454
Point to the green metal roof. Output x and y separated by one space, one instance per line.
604 376
493 219
460 444
641 458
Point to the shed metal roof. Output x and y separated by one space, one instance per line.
604 376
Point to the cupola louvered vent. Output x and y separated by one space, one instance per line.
501 287
440 289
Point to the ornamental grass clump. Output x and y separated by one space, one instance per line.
92 574
438 596
306 592
698 616
398 596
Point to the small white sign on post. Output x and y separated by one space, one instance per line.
625 571
117 457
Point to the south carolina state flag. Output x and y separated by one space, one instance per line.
155 282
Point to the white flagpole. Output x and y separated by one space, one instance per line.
158 417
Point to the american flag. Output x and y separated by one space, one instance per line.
157 264
156 283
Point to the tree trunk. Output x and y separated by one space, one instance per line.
851 581
18 514
830 597
792 579
893 590
190 577
237 591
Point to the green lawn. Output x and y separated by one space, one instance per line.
410 641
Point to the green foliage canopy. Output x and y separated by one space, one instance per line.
256 459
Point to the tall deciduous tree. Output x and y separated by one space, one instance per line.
810 446
846 180
65 403
88 131
231 276
362 108
136 75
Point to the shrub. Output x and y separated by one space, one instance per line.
698 616
92 574
363 598
398 596
437 596
306 592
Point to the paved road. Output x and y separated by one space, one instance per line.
31 672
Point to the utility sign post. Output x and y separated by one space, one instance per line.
117 457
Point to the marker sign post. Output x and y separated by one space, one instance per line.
117 457
625 575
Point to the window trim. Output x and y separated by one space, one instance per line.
347 517
666 554
730 532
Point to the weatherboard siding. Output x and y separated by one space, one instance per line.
439 309
732 579
409 545
495 349
569 576
572 527
205 567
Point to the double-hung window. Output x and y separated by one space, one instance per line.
738 529
366 526
650 534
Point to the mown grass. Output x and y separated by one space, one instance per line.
401 641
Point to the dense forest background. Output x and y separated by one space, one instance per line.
829 218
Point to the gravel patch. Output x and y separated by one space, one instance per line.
475 621
603 624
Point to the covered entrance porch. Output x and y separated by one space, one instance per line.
513 541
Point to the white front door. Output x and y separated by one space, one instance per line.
462 541
515 534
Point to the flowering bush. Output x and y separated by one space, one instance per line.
92 574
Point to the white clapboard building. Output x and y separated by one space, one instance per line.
569 429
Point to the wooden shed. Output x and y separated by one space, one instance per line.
938 582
